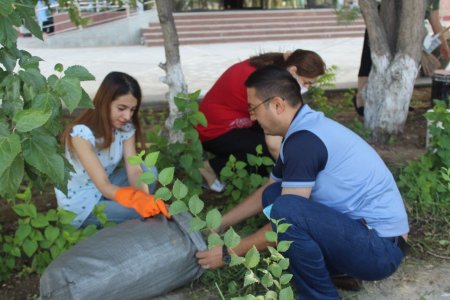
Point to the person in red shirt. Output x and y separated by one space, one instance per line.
230 129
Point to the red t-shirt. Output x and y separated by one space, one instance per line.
225 105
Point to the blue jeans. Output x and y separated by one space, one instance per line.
325 242
115 211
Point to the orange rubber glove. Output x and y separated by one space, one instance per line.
143 203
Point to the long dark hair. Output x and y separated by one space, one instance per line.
308 63
114 85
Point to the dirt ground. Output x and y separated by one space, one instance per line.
424 274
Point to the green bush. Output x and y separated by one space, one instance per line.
421 182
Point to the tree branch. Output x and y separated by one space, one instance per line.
411 28
377 34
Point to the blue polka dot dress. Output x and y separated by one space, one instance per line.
82 194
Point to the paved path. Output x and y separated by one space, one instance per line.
202 64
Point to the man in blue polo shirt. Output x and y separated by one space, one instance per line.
346 212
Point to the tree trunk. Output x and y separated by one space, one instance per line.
174 74
395 36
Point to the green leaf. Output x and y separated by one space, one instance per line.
166 176
8 60
250 278
163 193
39 151
59 67
151 159
10 179
214 239
271 236
197 224
179 190
195 205
8 34
213 218
55 251
9 148
271 295
231 238
252 258
284 263
177 207
85 101
40 221
79 72
52 216
283 246
65 216
51 233
29 247
70 91
267 281
199 118
186 161
147 177
286 294
29 119
6 7
23 231
285 278
134 160
25 210
36 235
15 251
89 230
27 14
47 101
282 228
276 270
236 260
45 244
33 78
28 61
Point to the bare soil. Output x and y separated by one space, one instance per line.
425 274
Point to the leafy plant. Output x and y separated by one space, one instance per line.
177 192
241 178
421 182
347 14
187 155
317 92
31 106
41 237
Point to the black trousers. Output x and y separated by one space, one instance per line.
48 26
238 142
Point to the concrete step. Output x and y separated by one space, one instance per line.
255 38
238 26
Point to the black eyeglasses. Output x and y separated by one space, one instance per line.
252 109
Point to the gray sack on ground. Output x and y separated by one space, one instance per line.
133 260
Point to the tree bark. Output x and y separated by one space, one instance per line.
174 74
395 36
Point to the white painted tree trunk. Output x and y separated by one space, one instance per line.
388 94
395 35
174 74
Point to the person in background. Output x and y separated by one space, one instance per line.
95 143
443 54
346 213
44 17
230 129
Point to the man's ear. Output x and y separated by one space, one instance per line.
280 105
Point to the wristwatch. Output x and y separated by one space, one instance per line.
226 258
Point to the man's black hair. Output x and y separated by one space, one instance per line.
272 81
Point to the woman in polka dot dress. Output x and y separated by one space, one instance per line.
95 143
